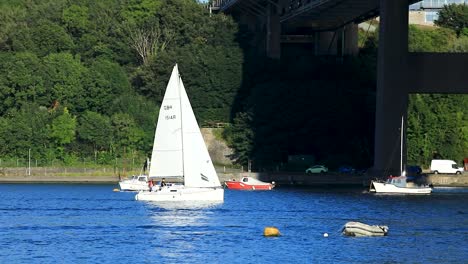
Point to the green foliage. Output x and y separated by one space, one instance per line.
241 137
430 40
104 80
437 124
64 75
453 16
63 129
95 129
460 45
44 38
22 80
76 19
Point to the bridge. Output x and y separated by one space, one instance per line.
331 27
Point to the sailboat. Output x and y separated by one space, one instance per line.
399 184
179 151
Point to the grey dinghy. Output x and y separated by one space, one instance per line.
359 229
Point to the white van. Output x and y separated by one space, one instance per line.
445 166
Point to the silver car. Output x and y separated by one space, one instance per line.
317 169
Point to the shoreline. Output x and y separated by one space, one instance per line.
285 179
61 179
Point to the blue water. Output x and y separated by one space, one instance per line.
41 223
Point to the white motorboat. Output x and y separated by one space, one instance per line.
136 183
359 229
179 151
398 185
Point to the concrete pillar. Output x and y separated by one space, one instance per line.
325 43
273 38
392 86
351 39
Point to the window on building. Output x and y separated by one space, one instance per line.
431 16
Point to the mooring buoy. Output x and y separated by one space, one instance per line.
271 231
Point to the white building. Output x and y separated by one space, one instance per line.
425 12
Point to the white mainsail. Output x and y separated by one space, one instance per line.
166 158
179 148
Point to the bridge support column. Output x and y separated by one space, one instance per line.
273 38
351 39
343 41
325 43
392 86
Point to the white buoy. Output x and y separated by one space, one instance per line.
325 234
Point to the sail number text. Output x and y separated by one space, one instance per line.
169 117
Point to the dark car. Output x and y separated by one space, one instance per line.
346 169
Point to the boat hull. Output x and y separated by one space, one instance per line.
237 185
383 187
181 193
133 186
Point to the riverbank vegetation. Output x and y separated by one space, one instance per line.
83 80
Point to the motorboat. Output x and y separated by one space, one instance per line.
358 229
136 183
249 183
398 185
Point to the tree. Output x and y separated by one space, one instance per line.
104 82
43 38
240 136
125 133
63 128
22 80
453 16
76 19
64 77
149 40
95 129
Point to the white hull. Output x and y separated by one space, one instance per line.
133 186
181 193
360 229
384 187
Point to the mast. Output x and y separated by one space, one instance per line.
181 123
401 146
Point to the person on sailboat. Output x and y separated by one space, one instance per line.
163 182
150 184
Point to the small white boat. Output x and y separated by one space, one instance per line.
179 152
359 229
136 183
398 185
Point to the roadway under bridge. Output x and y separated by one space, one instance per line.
332 27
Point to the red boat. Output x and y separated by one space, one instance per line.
248 183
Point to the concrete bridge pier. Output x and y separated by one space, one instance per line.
392 87
273 37
341 42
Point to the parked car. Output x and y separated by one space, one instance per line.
317 169
346 169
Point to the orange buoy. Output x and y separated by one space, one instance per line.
271 231
116 190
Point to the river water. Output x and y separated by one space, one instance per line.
54 223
